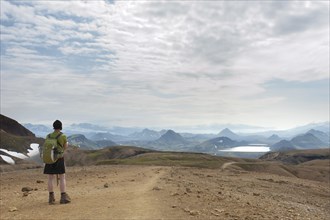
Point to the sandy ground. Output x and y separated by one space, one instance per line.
148 192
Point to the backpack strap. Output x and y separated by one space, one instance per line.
58 137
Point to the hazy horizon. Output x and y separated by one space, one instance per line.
200 129
166 63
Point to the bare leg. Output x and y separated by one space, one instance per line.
62 183
50 183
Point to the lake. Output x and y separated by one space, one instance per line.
252 148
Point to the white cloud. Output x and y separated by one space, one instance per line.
179 62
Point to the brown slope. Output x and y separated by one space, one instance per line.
11 126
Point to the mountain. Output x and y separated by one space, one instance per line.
171 137
216 144
16 141
282 145
108 136
86 144
11 126
38 129
229 134
324 137
169 141
322 126
290 133
146 135
273 139
197 137
102 136
303 141
307 141
82 142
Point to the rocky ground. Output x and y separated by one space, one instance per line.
154 192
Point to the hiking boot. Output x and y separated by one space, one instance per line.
65 198
51 199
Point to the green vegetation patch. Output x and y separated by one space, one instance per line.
170 159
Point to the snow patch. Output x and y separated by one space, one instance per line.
34 151
7 159
31 153
14 154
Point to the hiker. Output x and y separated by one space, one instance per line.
57 168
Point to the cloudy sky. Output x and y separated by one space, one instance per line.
165 63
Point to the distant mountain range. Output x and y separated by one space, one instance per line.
89 136
89 129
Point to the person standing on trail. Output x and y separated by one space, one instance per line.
57 168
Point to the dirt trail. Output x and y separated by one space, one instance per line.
149 192
225 165
96 192
140 201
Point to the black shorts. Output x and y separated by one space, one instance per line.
56 168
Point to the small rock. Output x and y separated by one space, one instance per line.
174 206
256 194
106 185
25 194
40 181
216 214
13 209
194 212
175 194
188 190
156 188
219 210
27 189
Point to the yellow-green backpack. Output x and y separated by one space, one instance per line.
51 150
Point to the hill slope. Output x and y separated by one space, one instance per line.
11 126
15 137
297 156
